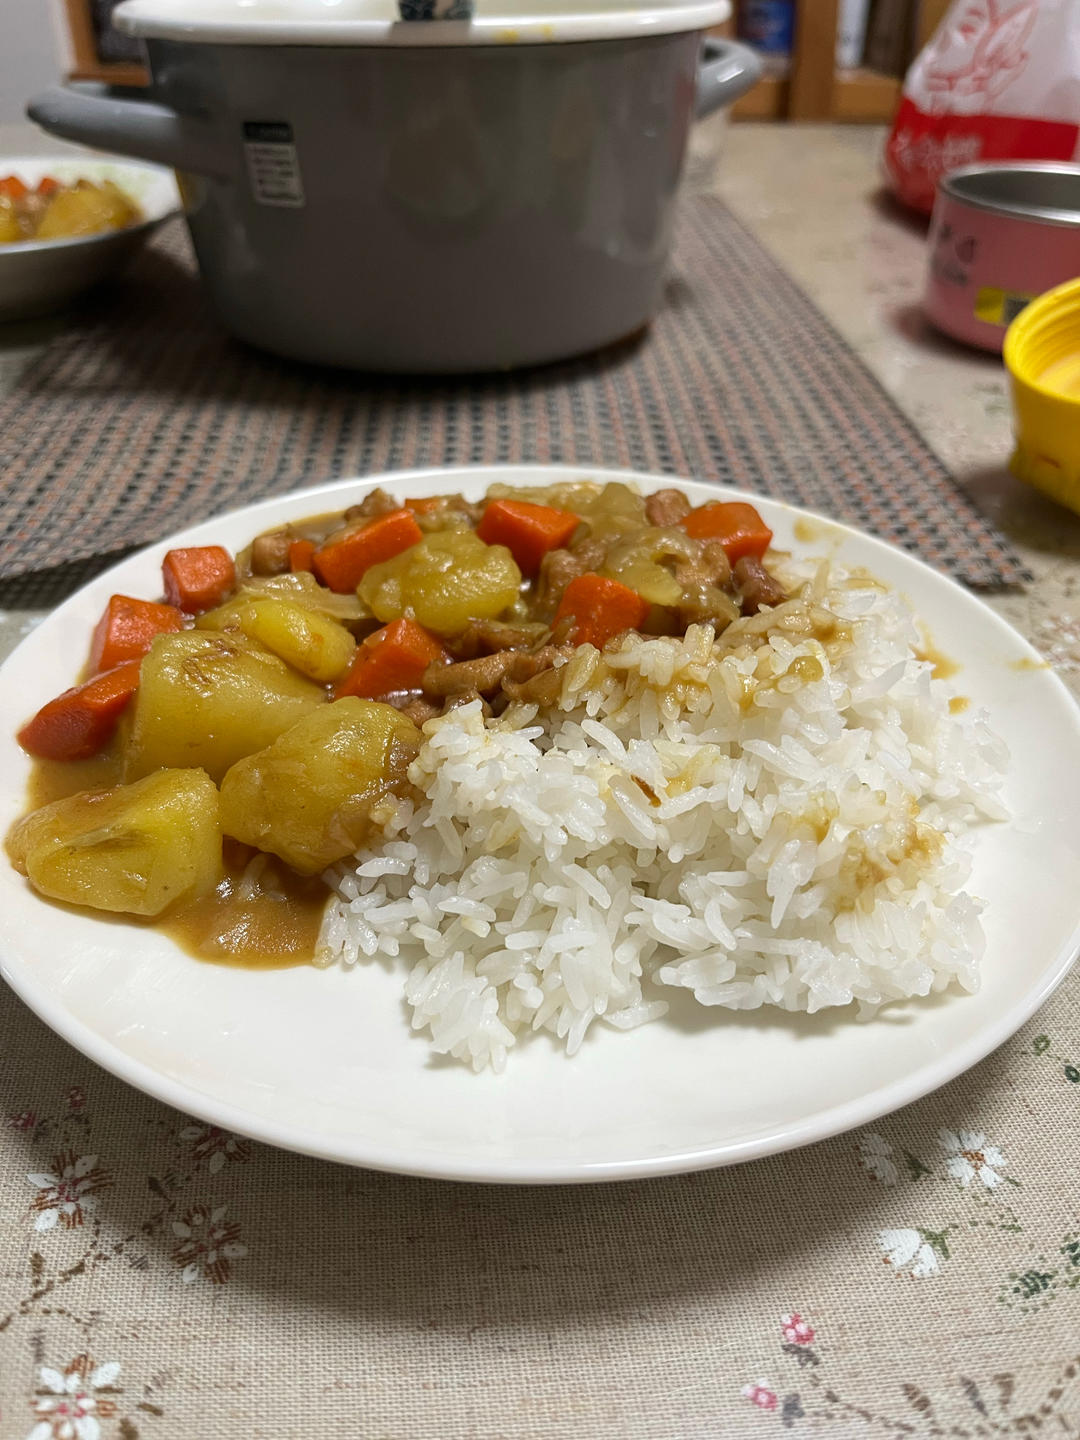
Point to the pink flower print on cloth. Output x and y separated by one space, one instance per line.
796 1330
69 1406
762 1395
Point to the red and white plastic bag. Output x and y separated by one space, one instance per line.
1000 80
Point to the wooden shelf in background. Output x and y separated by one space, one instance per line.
815 89
86 63
768 100
864 95
814 61
931 14
111 72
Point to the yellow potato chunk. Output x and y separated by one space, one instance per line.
445 581
10 229
86 209
309 797
208 699
135 849
304 590
311 643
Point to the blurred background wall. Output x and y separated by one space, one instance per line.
30 54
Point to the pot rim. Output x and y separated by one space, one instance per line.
375 23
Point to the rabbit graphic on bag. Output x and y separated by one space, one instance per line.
1000 80
973 59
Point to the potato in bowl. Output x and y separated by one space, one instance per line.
67 224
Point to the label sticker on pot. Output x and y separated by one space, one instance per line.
272 162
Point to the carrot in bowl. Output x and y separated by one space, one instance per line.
199 578
301 555
78 723
47 186
341 564
528 531
127 628
392 659
738 527
602 609
13 188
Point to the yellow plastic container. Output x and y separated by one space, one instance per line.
1042 355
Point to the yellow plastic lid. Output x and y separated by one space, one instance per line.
1042 356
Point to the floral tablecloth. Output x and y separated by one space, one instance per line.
162 1278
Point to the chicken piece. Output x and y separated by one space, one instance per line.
486 673
416 708
482 676
483 637
448 512
756 586
559 567
666 507
544 688
455 702
270 553
537 678
705 600
373 505
713 568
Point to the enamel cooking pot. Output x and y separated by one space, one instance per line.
446 196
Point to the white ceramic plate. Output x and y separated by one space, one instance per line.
40 276
324 1062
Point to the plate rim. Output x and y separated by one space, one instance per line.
822 1125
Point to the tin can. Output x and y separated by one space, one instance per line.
1001 234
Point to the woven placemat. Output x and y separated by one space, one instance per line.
143 416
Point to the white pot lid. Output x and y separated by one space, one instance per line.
376 22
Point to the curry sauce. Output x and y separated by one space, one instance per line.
262 916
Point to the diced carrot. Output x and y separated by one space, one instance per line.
199 578
47 185
528 531
602 608
127 628
13 188
738 527
342 563
392 659
425 505
301 554
78 723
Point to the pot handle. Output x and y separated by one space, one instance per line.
726 71
92 114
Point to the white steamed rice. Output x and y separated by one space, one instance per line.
772 818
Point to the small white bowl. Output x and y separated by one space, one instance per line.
40 276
